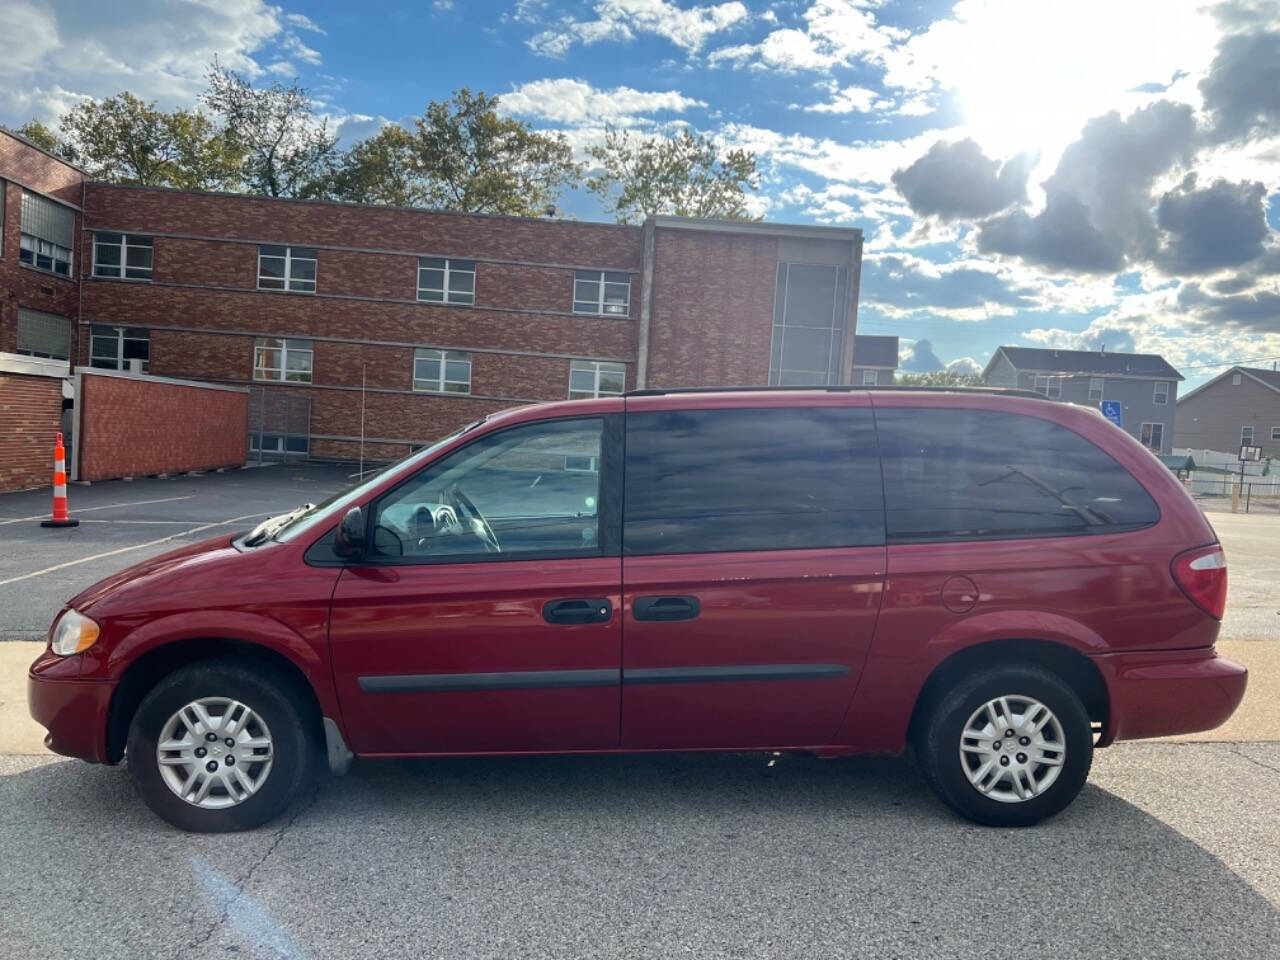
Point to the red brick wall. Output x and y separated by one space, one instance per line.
23 286
30 418
141 426
712 316
34 168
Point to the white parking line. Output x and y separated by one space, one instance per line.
109 506
136 546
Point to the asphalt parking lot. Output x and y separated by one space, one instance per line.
1173 850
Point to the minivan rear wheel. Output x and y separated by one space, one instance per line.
216 748
1007 746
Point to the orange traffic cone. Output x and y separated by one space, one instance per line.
60 516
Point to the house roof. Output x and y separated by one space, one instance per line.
1093 362
869 351
1268 378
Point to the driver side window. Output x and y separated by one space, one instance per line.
527 491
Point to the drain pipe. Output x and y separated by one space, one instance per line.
646 307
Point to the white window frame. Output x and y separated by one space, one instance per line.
581 463
870 378
600 306
1158 398
1247 428
286 346
1151 446
1235 379
1095 395
456 298
42 316
1052 386
33 246
1275 433
30 244
119 271
441 383
119 339
595 368
288 281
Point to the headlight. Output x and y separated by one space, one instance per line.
73 633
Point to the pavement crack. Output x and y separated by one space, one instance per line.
239 885
1254 760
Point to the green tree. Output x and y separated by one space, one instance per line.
938 378
43 137
125 140
284 146
685 175
378 169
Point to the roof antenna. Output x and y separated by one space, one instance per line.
1103 348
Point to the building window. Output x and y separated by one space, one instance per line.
280 359
870 378
115 348
603 293
1095 389
287 268
1153 436
1275 433
1235 379
122 255
596 378
1246 435
48 234
808 324
44 335
441 371
1050 387
446 281
1161 396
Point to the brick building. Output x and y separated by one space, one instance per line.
398 325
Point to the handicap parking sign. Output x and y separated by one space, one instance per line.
1111 410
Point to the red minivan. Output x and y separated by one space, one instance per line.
1002 581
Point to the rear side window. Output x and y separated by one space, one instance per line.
977 475
742 479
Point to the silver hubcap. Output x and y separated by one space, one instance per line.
215 752
1012 749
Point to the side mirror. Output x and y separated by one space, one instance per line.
348 539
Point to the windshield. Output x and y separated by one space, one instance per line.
318 514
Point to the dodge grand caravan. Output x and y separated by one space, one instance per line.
1001 581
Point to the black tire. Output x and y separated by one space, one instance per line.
938 744
271 696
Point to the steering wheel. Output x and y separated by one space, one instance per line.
479 525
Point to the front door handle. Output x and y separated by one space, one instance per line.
578 610
665 608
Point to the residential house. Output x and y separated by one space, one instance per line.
1238 408
875 360
1144 384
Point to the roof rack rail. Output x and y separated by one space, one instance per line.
841 388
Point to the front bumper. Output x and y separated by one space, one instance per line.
74 711
1163 693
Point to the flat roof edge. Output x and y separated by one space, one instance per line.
810 231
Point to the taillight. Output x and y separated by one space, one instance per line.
1202 575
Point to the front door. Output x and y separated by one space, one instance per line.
753 569
486 616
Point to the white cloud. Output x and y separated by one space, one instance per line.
576 103
621 20
835 33
852 99
303 22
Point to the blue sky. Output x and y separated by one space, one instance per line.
1039 172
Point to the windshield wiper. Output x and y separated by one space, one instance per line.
273 525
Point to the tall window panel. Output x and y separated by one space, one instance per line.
119 348
596 378
808 324
122 256
442 280
282 359
441 371
48 234
44 335
287 268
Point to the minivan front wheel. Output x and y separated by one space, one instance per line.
1007 746
214 747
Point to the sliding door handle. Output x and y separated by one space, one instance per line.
578 610
665 608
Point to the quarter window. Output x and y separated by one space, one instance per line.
446 281
1051 387
1152 436
282 359
115 348
1161 395
44 335
530 490
596 378
979 475
287 268
47 235
441 371
701 481
124 256
602 292
1246 435
1095 389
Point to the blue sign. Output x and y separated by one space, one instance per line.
1111 410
